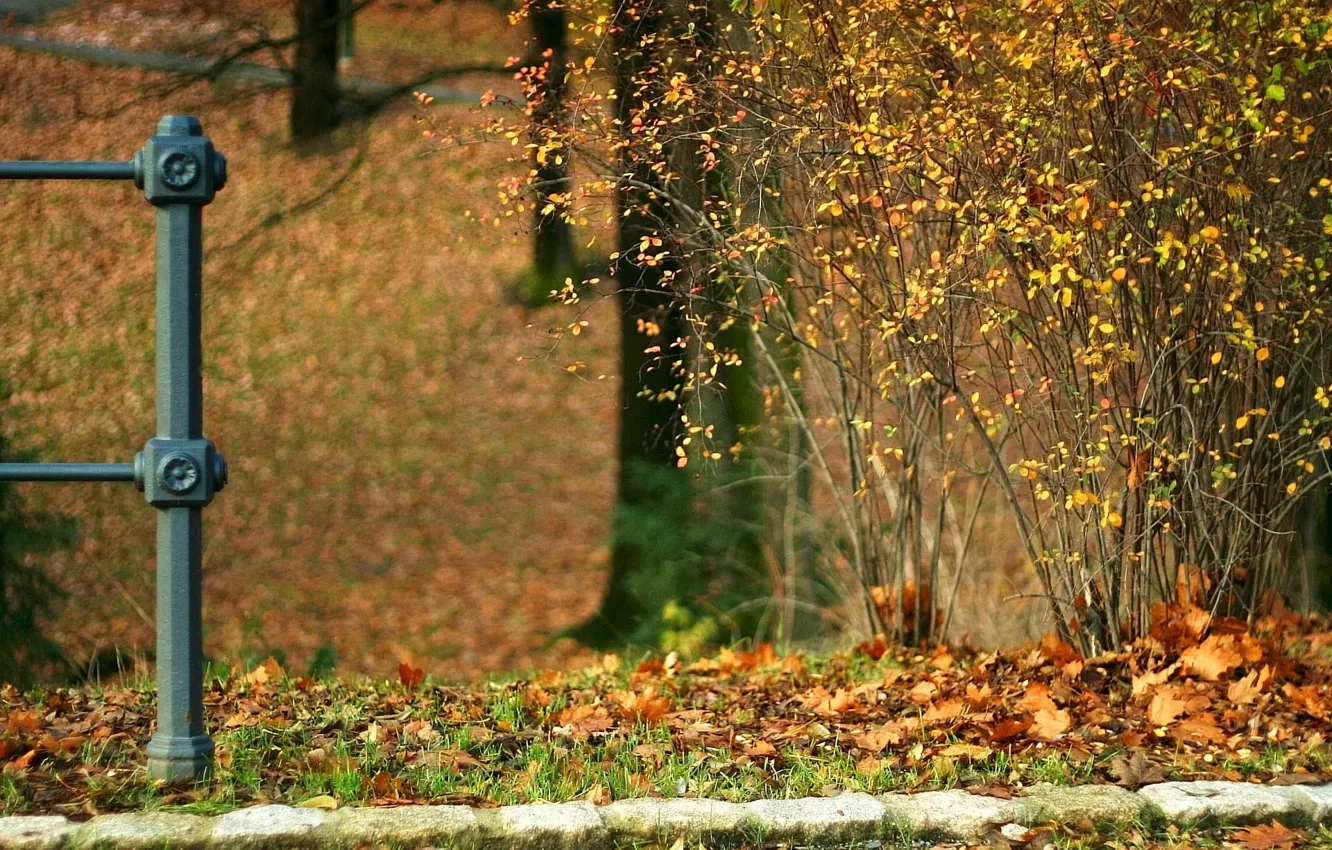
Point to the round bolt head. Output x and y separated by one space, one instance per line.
178 473
179 169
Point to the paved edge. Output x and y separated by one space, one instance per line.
851 816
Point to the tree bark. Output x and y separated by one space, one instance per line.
314 94
649 482
552 238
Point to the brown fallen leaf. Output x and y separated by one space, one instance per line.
1247 689
1213 658
1285 779
975 752
944 710
1010 728
1134 771
452 760
878 738
1002 792
1166 707
1049 725
1268 836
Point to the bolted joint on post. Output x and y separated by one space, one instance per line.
179 473
179 165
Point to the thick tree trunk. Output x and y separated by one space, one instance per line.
649 483
314 94
552 239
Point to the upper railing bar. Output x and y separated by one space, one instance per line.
66 472
36 170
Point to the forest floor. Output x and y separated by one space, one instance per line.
1198 699
415 474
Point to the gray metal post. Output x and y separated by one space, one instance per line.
178 470
180 173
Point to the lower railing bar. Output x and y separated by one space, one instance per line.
23 170
66 472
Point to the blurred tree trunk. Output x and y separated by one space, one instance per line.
652 494
314 94
552 238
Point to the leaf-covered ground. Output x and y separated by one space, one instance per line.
1184 704
411 475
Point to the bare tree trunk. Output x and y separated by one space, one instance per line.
314 94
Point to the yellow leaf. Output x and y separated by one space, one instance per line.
1242 422
1210 233
323 801
1262 354
1216 357
1280 381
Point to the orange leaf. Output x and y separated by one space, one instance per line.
1056 651
945 710
269 671
1049 725
647 706
1138 470
879 738
1010 728
1166 707
1037 698
1213 658
410 676
1247 689
1147 681
1269 836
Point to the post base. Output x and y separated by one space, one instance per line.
177 759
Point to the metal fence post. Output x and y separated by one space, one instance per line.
179 172
179 471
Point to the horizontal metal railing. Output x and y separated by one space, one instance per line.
66 472
67 170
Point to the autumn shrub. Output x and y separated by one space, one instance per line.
1061 259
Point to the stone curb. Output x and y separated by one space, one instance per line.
852 816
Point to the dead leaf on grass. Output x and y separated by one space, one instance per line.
879 738
1268 836
1134 771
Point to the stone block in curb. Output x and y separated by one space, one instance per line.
267 827
401 826
819 819
1238 803
1100 804
1320 800
679 817
143 831
35 832
950 814
543 826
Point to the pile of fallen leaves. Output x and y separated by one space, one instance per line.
1200 698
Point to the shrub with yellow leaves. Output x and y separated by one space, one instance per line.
1066 259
